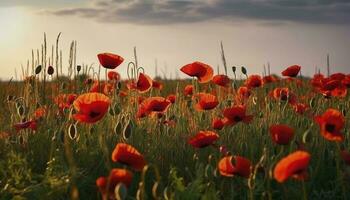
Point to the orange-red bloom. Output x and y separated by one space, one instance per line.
293 166
143 84
107 185
241 166
221 80
153 105
113 76
217 124
158 85
203 139
188 90
283 94
291 71
331 122
269 79
91 107
32 124
281 134
300 108
40 112
109 60
206 101
253 81
171 98
235 115
127 154
64 101
103 87
202 71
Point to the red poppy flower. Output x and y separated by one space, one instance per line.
346 81
283 94
188 90
24 125
40 112
345 155
269 79
291 71
109 60
235 115
153 105
127 154
243 92
293 166
300 108
64 101
203 139
217 124
241 166
91 107
281 134
331 122
158 85
107 185
340 91
113 76
337 76
221 80
143 85
202 71
253 81
206 101
105 88
171 98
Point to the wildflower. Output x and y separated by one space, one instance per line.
253 81
221 80
127 154
331 122
203 139
91 107
292 166
202 71
291 71
281 134
109 60
241 166
235 115
206 101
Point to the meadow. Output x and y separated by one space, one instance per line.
91 134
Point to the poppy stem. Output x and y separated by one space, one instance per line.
304 189
340 172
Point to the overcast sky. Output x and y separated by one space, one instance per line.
176 32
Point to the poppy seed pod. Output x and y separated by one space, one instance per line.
50 70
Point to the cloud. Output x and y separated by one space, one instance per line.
185 11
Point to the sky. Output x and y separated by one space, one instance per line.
178 32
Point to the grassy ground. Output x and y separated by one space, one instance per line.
47 164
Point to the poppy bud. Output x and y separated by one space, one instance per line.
234 69
50 70
120 191
20 110
10 98
244 70
118 128
38 69
78 68
72 132
127 131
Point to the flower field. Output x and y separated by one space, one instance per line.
89 133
